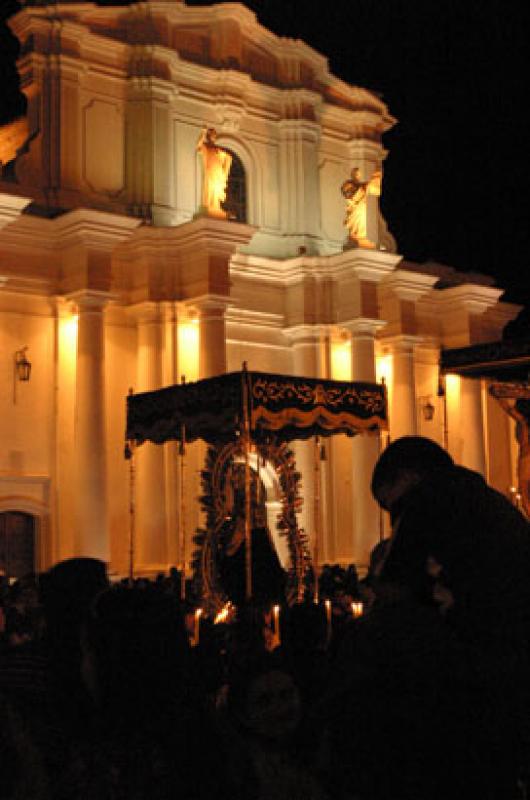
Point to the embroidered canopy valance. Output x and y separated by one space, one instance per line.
280 406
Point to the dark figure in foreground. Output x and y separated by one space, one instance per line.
428 692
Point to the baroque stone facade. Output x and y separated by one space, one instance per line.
112 279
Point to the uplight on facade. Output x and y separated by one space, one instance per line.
341 360
188 349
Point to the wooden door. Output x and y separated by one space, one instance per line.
17 543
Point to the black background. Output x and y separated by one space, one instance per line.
454 74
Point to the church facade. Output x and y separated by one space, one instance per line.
114 277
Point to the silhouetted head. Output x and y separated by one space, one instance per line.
405 463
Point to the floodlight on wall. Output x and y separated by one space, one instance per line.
22 365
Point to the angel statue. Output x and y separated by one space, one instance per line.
356 193
216 163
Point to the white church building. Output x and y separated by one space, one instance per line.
112 278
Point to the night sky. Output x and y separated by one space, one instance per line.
453 72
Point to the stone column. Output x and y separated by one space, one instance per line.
306 345
473 450
92 538
403 413
151 541
212 335
365 447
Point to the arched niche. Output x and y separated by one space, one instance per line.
249 162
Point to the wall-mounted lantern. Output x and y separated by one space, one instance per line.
22 365
427 408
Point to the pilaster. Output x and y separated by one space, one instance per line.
402 411
365 447
151 551
90 433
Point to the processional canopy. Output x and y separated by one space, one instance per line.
280 406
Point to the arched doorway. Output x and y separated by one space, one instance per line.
17 543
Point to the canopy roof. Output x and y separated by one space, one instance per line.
501 361
282 406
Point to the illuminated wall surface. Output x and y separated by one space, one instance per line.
188 350
341 361
120 278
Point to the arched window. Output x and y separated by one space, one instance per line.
236 190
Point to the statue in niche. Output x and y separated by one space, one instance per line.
356 193
216 164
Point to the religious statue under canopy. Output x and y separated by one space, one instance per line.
357 193
216 168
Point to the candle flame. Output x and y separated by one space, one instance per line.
224 614
357 609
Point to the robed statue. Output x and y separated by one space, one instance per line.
357 193
268 577
216 168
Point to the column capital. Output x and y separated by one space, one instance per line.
90 299
209 302
305 334
147 312
363 327
402 344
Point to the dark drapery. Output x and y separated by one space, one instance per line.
285 406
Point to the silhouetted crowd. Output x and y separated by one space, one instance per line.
112 691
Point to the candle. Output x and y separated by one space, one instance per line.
357 610
197 626
327 604
276 624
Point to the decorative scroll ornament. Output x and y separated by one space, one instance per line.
216 168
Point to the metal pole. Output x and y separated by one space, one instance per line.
246 445
316 512
132 515
182 548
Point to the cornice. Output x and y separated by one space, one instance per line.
11 207
211 235
91 227
113 55
28 285
473 298
364 264
368 265
261 319
408 285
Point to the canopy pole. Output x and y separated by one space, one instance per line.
132 508
316 514
182 526
246 445
129 454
